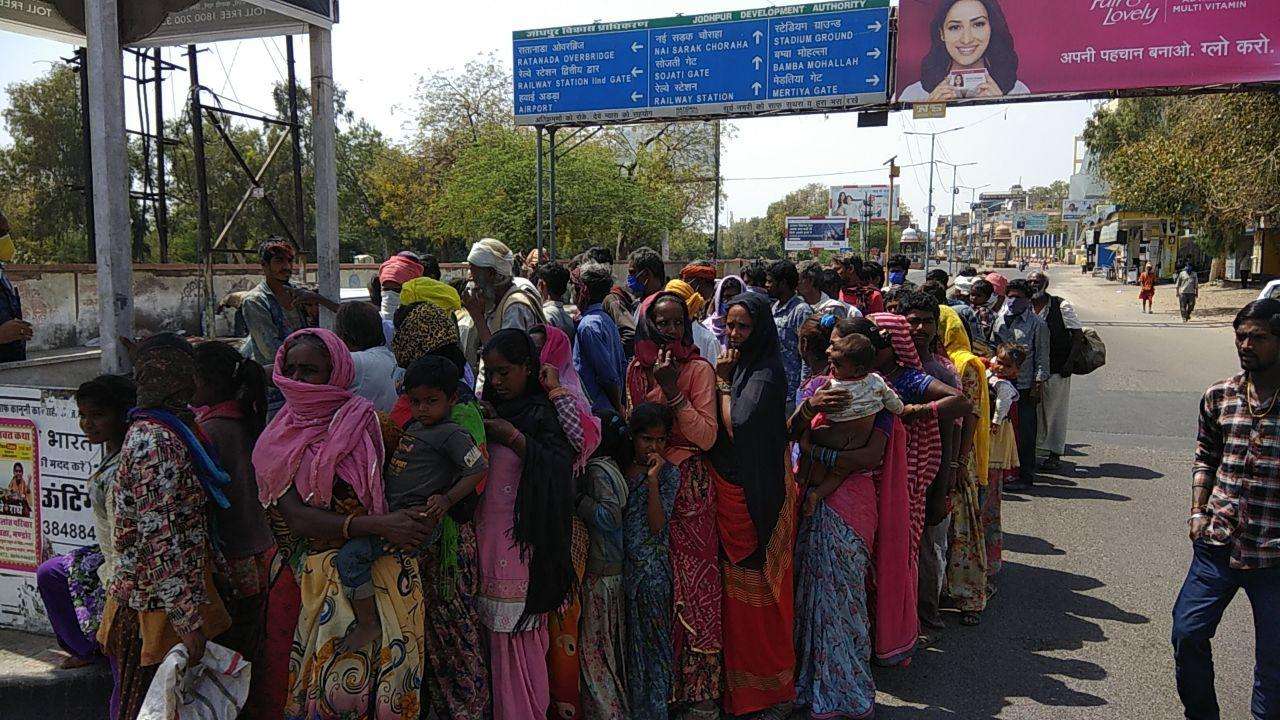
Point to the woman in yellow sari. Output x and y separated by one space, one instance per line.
966 576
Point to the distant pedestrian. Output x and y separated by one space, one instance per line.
1147 281
1235 521
1188 291
552 279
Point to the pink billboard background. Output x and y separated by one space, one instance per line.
1066 46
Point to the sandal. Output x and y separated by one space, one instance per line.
970 619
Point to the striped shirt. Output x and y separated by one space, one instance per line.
1242 453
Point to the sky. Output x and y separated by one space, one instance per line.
381 49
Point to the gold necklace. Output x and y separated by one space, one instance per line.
1254 391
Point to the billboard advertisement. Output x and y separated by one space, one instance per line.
1031 222
1073 210
816 233
851 201
957 50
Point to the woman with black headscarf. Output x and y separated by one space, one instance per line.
522 525
755 510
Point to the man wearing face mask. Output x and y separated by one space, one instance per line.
1018 324
14 331
392 275
646 275
1066 338
898 267
494 301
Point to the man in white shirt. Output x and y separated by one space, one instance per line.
1065 335
810 289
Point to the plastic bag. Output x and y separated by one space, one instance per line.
214 689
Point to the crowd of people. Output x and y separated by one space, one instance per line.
535 492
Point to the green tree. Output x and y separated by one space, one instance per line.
1210 161
42 171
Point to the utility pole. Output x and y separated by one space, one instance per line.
888 220
715 230
973 215
951 225
928 228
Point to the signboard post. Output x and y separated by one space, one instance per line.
816 233
817 57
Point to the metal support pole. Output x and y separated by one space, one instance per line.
951 225
928 228
204 233
551 243
162 184
87 144
324 147
888 220
715 231
299 204
110 182
538 192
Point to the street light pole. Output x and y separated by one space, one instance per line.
973 198
928 229
951 225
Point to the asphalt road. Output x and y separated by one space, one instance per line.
1095 556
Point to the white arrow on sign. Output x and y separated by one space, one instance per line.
636 47
756 61
636 97
636 72
757 35
875 27
873 80
755 87
875 53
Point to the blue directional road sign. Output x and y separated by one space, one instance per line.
817 57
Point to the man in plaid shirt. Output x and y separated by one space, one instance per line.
1235 519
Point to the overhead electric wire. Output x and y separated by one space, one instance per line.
815 175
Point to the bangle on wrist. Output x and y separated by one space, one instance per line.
346 526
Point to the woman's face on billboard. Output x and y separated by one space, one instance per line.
966 32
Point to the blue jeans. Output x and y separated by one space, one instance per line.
1210 585
355 565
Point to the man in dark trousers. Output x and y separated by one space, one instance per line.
14 331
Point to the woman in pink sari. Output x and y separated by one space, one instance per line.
857 532
668 370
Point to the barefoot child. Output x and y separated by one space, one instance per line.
436 465
852 359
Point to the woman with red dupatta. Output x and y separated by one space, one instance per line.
755 513
668 370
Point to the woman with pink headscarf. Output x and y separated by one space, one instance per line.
319 469
669 370
564 388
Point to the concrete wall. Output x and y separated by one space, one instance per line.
61 301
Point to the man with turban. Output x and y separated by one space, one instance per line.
394 273
701 275
494 301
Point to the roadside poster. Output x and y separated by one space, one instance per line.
1031 222
860 202
1073 210
20 541
47 421
821 233
958 50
